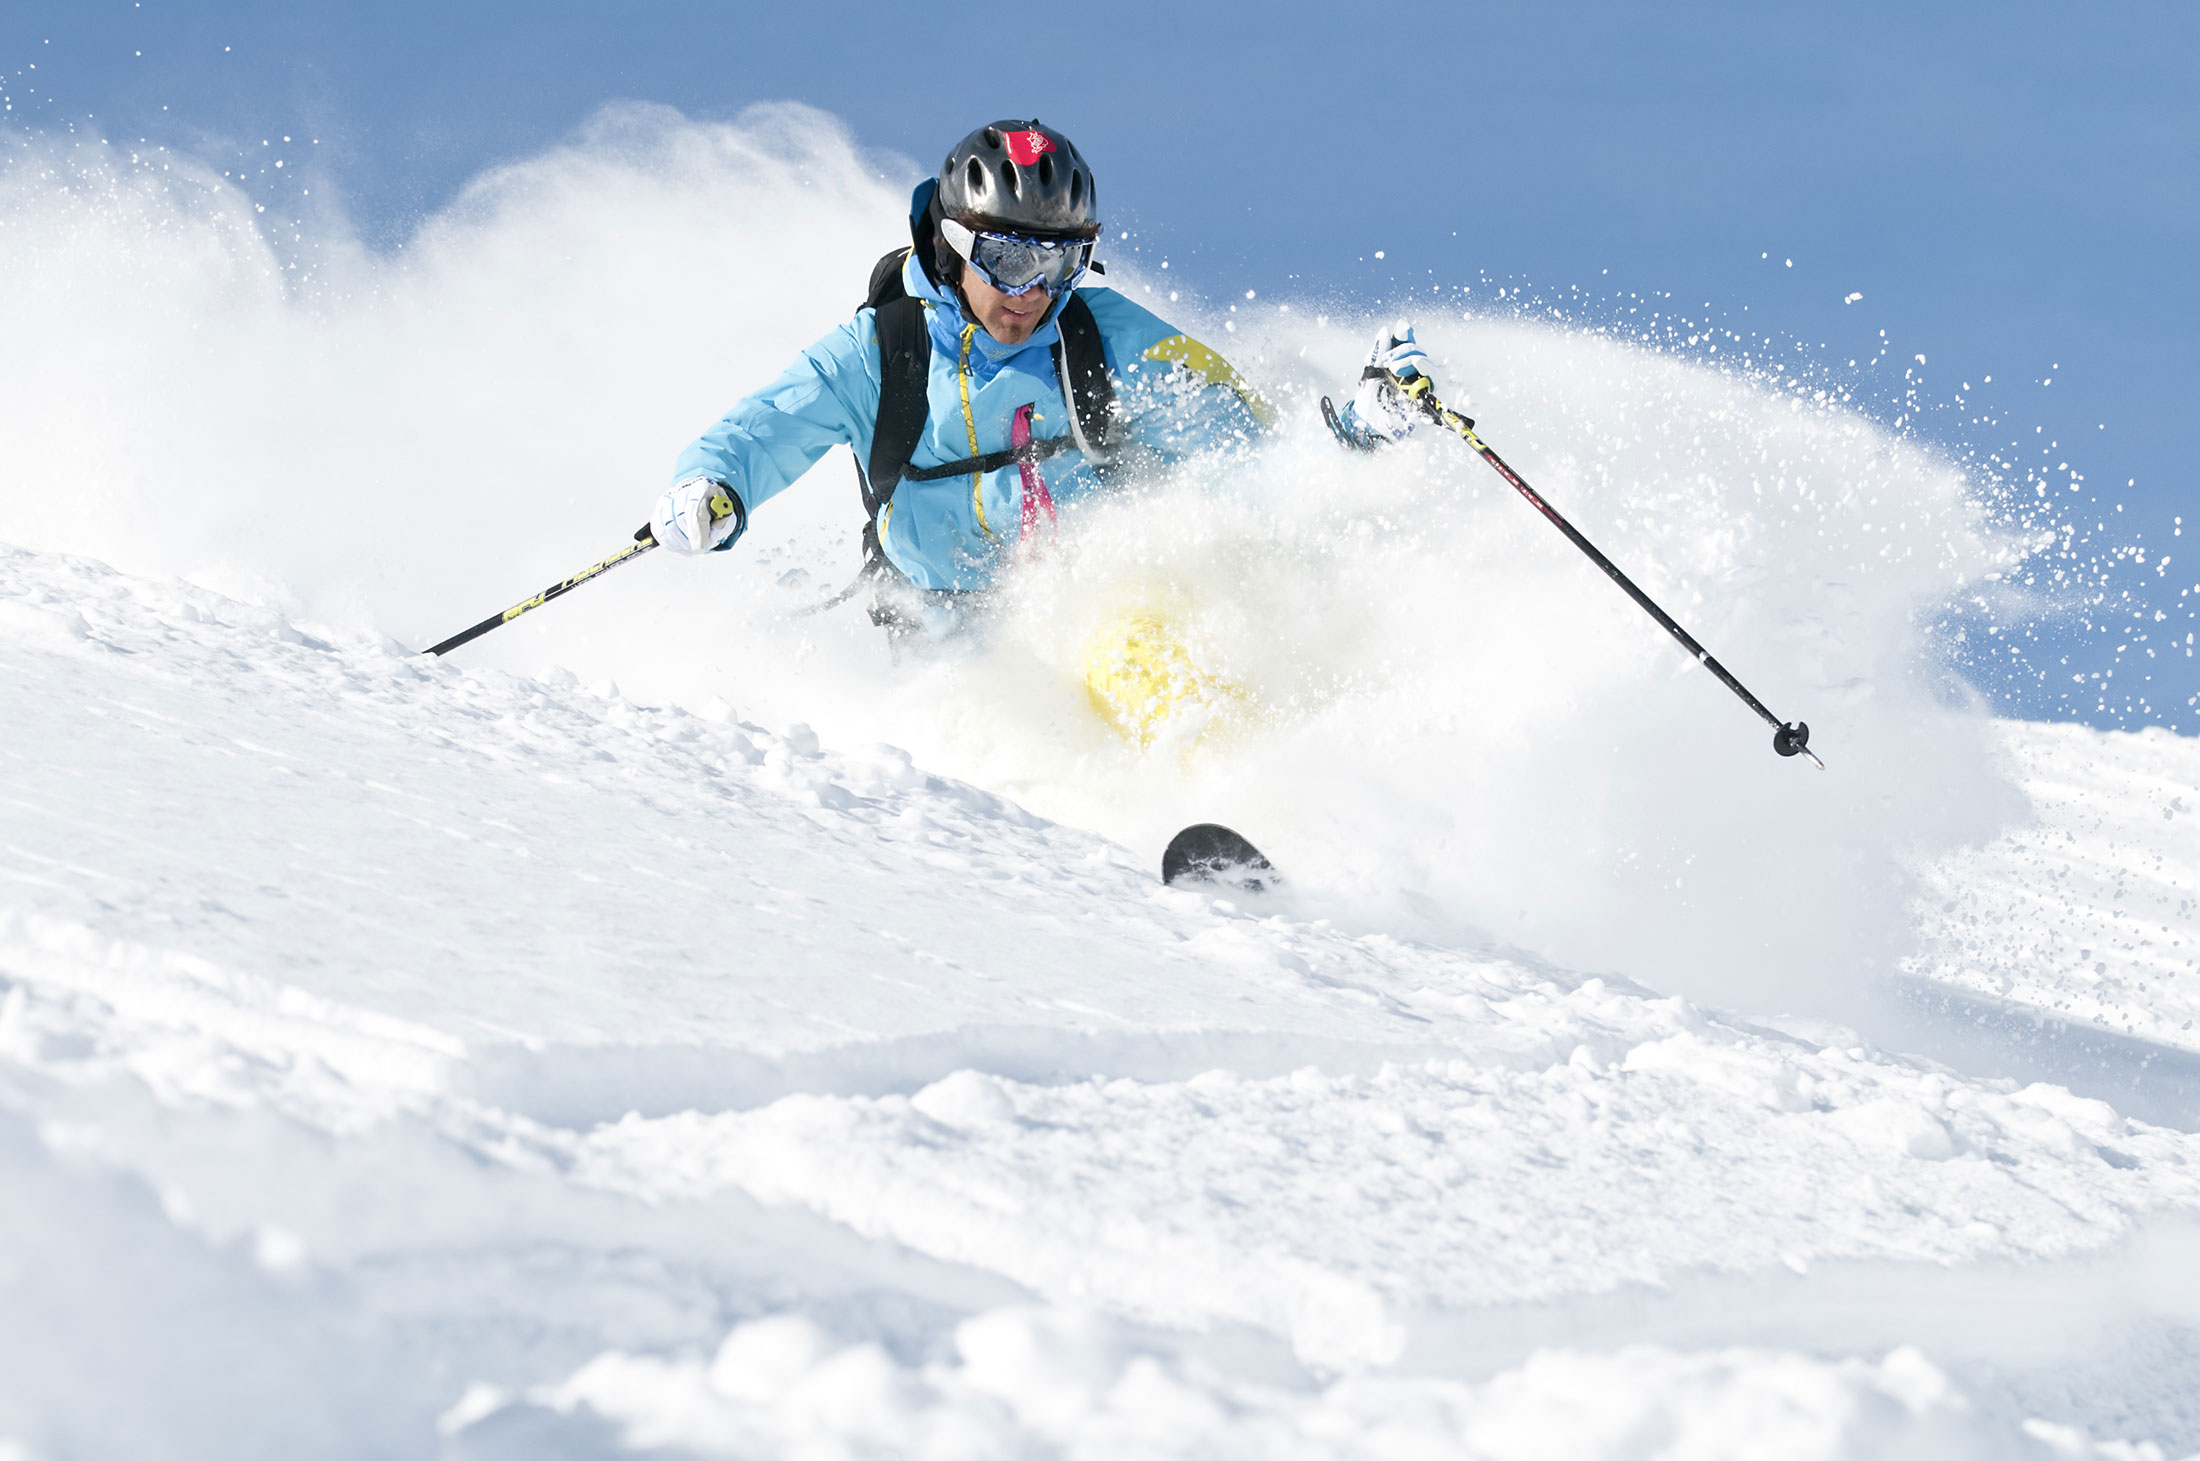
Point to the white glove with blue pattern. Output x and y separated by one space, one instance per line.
1380 405
697 516
1379 412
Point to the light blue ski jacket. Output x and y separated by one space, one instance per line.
1174 396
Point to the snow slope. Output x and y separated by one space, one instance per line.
2087 910
396 1055
403 1057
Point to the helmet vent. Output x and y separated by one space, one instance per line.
1076 189
979 182
993 137
1046 169
1012 180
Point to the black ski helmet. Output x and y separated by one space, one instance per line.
1019 177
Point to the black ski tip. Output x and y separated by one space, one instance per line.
1208 852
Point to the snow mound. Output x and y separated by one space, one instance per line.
1055 1382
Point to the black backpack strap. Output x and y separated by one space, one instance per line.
1082 363
905 361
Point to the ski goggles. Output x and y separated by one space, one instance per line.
1016 264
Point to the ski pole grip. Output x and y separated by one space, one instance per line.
722 506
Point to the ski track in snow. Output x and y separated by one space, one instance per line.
396 1057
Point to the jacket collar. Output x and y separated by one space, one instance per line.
950 311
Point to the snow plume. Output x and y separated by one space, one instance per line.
395 440
1444 717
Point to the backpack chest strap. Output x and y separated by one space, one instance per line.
992 461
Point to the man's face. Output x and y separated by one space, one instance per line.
1008 318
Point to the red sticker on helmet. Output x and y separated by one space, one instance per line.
1024 147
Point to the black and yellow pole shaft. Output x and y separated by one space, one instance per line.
1788 738
721 506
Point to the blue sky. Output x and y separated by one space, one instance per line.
2013 189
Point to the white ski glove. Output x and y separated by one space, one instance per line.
1379 410
696 516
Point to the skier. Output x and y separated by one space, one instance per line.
981 383
975 360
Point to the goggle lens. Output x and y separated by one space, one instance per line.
1015 264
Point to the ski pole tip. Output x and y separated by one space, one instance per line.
1793 739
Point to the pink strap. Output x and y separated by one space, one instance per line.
1036 495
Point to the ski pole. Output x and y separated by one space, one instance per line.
721 506
1788 738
